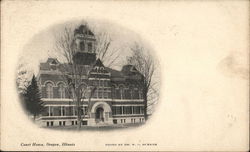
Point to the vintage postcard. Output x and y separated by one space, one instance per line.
124 75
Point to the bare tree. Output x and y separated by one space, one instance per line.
23 78
145 64
73 73
103 50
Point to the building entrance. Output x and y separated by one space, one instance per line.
99 115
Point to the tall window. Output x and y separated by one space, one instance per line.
82 46
95 82
141 109
127 110
119 110
51 111
100 83
127 94
122 92
105 93
113 92
100 93
83 90
57 111
136 109
45 112
61 90
82 112
106 84
86 110
90 47
136 93
94 94
72 93
70 111
49 90
131 92
109 93
63 112
113 110
140 94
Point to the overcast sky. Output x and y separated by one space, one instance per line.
41 46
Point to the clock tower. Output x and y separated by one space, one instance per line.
85 43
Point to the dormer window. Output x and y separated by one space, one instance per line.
53 64
133 69
52 61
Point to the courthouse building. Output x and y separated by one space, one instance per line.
117 98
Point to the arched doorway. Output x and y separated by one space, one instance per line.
99 114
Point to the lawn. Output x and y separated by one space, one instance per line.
96 128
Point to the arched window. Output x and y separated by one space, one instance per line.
121 92
140 94
131 92
127 93
83 90
72 94
49 90
82 46
136 93
61 90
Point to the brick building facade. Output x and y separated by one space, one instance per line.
118 95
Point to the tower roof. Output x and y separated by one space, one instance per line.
83 29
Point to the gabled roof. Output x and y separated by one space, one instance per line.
47 65
127 72
52 60
129 69
67 68
98 63
44 66
115 73
98 67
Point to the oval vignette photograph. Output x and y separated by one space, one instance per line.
88 75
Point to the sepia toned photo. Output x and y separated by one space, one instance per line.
91 79
124 75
